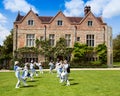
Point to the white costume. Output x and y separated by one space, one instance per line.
59 68
26 73
32 69
40 67
65 74
51 67
17 74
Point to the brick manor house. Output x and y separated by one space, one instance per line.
89 29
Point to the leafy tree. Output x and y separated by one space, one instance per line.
87 55
61 50
116 49
45 48
101 50
54 52
6 50
80 51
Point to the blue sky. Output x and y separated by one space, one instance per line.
108 9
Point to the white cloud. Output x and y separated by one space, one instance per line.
13 6
106 8
3 33
111 9
74 8
3 30
2 18
18 5
97 6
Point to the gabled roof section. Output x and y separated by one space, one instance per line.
98 19
21 18
49 19
60 12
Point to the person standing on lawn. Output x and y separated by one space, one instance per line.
17 74
32 69
59 68
65 73
51 66
40 67
25 73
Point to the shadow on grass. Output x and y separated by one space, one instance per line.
74 83
38 77
71 84
33 81
71 79
29 86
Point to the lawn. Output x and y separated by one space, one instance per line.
83 83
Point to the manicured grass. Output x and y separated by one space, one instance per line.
83 83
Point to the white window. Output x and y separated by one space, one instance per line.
30 40
90 23
30 22
52 39
90 40
59 23
68 39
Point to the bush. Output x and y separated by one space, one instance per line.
95 62
87 64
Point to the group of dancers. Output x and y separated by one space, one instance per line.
62 69
26 72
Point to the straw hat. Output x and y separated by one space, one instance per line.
16 62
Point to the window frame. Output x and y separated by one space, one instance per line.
90 40
52 39
90 23
78 38
59 22
30 40
30 22
68 40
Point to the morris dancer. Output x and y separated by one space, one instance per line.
17 74
65 73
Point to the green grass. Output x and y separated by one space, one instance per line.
83 83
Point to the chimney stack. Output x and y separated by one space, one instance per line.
87 9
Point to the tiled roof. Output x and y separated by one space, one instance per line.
75 19
46 19
19 17
100 20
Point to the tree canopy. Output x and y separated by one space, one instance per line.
116 49
6 50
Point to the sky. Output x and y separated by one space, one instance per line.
109 10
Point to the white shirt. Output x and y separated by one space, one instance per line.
17 71
31 66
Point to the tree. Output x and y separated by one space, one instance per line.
61 50
101 50
116 49
80 51
90 55
45 49
6 51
